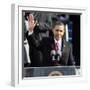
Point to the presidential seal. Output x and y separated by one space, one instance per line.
55 73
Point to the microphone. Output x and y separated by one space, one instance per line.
53 54
58 54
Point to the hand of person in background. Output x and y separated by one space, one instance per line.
31 22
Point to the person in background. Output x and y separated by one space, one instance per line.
34 54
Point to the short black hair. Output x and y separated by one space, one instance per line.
57 23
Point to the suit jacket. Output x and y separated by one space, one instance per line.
45 46
34 54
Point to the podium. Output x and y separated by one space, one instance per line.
49 71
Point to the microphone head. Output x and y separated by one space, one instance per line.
59 53
53 52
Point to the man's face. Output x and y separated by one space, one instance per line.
58 31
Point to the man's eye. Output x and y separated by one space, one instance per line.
59 30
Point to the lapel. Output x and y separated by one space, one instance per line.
52 44
63 45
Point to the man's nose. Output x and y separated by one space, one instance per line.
58 32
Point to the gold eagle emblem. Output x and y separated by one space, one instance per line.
55 73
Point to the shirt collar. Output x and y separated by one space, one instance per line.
59 41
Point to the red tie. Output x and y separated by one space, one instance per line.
57 46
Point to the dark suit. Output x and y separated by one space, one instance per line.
35 55
45 46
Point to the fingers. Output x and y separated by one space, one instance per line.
31 22
31 18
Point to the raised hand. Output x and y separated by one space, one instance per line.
31 22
